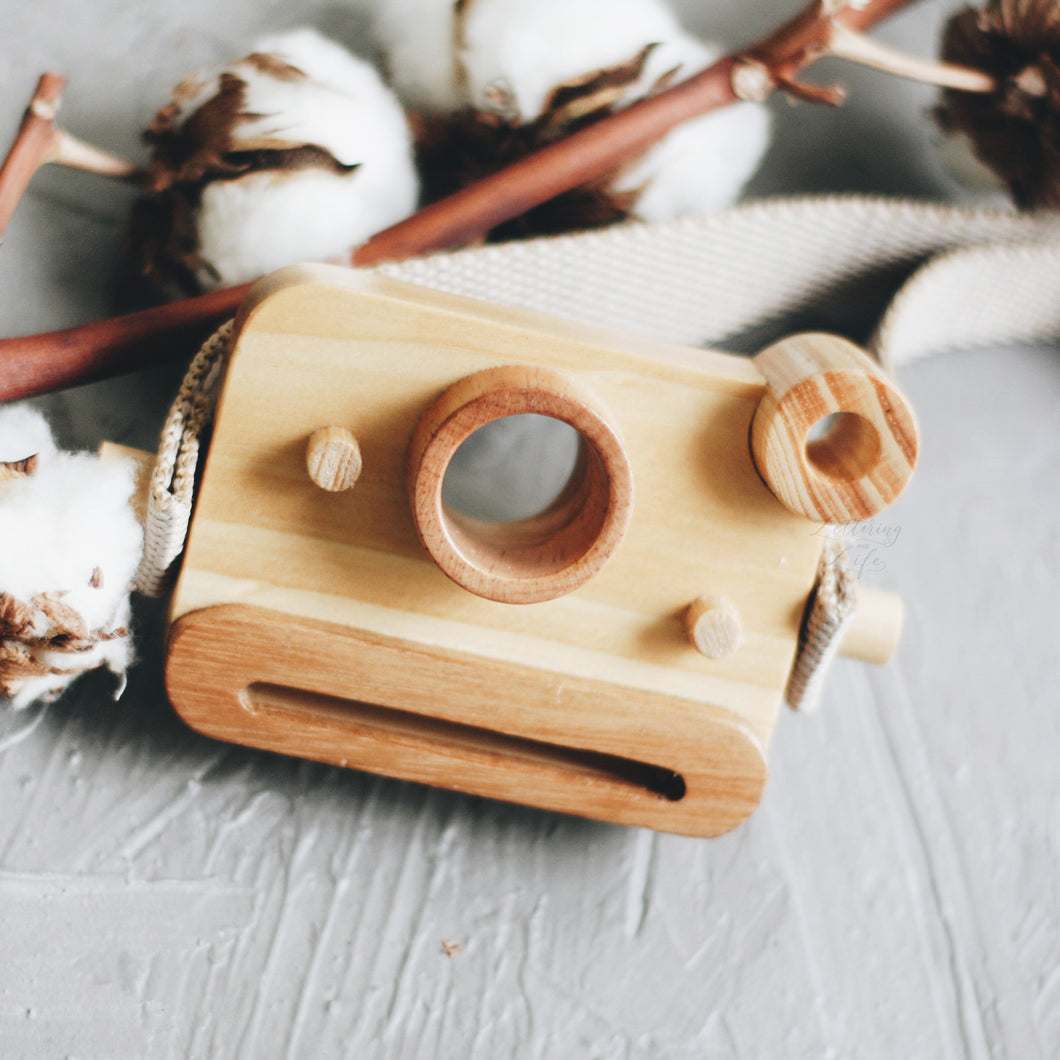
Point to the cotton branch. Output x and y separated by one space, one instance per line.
601 147
834 28
40 141
856 47
39 363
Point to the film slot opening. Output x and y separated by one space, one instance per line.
388 726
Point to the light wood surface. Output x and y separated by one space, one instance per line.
876 628
865 457
410 373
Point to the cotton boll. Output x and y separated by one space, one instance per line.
699 167
24 433
298 152
64 522
71 545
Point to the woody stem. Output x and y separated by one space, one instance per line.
40 141
856 47
33 145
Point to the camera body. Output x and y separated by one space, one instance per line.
332 604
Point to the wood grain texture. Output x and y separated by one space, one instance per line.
552 552
401 363
865 457
333 459
577 746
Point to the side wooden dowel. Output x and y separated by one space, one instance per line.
876 628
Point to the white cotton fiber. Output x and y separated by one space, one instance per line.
417 37
234 173
24 432
526 48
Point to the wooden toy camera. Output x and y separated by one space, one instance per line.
622 654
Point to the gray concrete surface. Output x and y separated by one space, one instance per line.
896 895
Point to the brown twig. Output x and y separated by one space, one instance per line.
856 47
40 363
469 214
32 145
599 148
40 141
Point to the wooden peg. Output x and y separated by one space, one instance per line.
714 626
876 628
865 458
333 459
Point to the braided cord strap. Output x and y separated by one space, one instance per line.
833 601
172 491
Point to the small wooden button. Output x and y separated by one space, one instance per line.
713 626
333 459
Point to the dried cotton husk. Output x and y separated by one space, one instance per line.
297 152
1014 130
71 544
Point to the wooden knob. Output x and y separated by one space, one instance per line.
333 459
875 630
713 626
546 555
864 459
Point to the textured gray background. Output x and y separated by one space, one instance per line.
896 895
